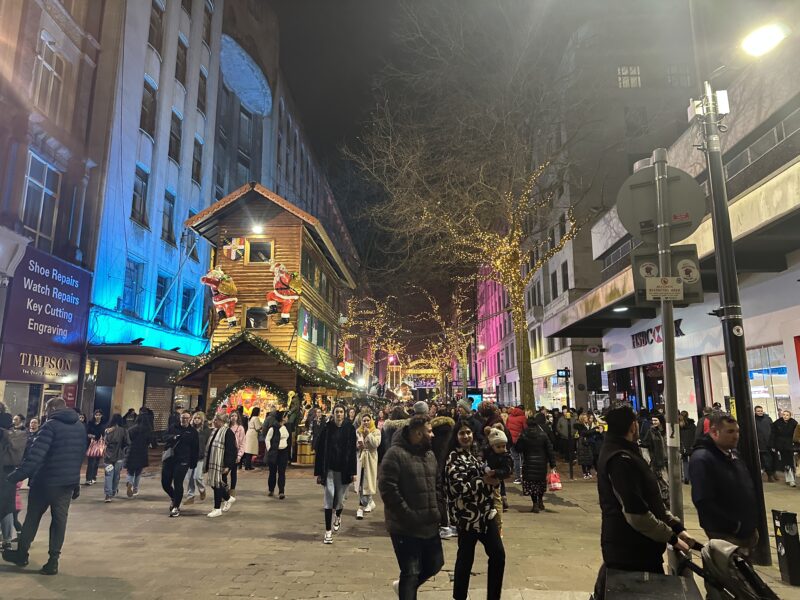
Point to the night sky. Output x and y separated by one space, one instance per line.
331 51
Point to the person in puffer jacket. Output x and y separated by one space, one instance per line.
53 465
515 425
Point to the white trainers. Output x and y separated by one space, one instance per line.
226 505
214 513
328 539
445 533
231 500
396 587
337 523
454 530
360 513
370 506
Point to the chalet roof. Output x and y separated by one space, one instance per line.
206 223
310 374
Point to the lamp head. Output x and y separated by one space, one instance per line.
764 39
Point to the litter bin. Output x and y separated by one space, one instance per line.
788 545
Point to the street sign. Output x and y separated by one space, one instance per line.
563 373
593 351
637 209
685 264
664 288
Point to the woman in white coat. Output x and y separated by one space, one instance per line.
368 438
251 439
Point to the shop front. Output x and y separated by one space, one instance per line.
44 333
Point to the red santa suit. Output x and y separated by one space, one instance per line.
282 294
224 304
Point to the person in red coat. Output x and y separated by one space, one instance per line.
516 424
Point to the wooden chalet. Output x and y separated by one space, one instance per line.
258 361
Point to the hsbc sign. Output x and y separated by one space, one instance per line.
654 335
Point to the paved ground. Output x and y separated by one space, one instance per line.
272 549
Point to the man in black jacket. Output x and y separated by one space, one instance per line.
636 527
53 465
407 484
335 467
764 436
180 456
722 490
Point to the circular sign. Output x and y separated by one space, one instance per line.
648 269
638 212
687 269
738 330
593 351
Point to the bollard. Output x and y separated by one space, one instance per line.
788 545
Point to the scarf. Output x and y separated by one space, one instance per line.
217 457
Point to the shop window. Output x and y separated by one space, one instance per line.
40 204
258 250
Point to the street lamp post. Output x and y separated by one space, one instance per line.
708 111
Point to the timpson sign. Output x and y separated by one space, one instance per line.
654 335
44 332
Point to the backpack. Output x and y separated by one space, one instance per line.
12 448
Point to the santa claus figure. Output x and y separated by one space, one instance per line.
283 295
223 294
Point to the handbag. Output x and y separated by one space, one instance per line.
96 449
167 454
553 482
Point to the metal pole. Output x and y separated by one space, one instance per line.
570 440
732 322
668 333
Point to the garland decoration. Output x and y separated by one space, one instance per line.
245 383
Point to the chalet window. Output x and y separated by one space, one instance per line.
258 250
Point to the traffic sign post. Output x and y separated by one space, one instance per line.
565 375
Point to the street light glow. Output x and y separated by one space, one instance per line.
362 382
481 347
764 39
620 309
257 229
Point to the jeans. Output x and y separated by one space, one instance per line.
194 479
419 559
685 469
517 463
335 491
91 468
40 498
767 462
7 527
172 475
493 546
111 482
277 469
134 477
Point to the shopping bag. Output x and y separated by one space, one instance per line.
97 448
553 482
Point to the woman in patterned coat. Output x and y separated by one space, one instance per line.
469 491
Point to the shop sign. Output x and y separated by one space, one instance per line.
653 335
48 305
24 363
664 288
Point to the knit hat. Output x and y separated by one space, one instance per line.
465 404
496 437
421 408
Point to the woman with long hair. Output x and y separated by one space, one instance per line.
368 440
117 441
251 438
536 450
235 425
783 435
220 462
137 460
277 452
469 491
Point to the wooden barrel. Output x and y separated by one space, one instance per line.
305 454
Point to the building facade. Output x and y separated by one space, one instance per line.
48 76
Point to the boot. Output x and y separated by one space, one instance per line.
15 556
505 503
50 567
535 508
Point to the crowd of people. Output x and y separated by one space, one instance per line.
441 471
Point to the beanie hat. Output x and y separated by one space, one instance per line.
496 436
421 408
465 404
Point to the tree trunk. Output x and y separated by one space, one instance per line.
524 368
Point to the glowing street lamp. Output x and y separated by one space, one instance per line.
764 39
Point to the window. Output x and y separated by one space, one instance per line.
257 250
192 245
168 219
175 132
147 118
242 169
220 167
42 187
245 130
155 35
562 227
635 121
629 76
565 276
132 287
197 161
187 6
207 26
678 75
139 203
554 284
48 78
163 301
202 91
223 109
180 62
187 308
